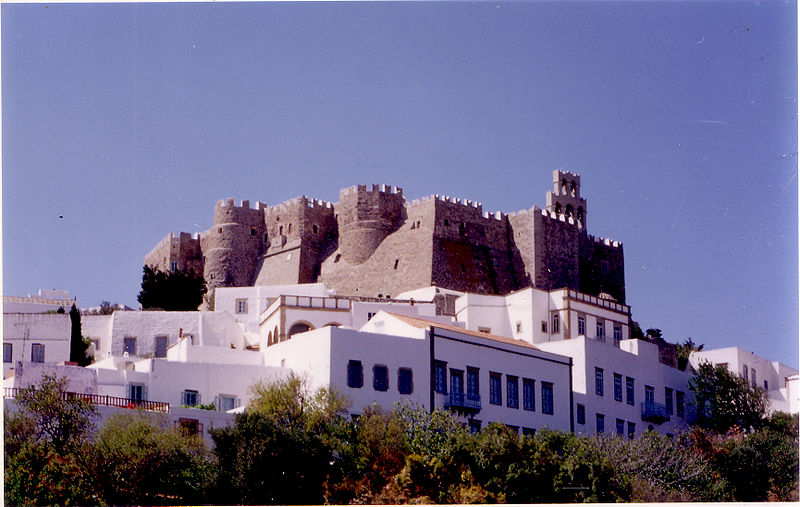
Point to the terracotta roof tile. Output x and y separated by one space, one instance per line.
424 324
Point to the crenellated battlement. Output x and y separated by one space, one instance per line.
605 241
376 189
245 204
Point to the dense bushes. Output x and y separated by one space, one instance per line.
294 445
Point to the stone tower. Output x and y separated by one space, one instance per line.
233 244
366 217
566 197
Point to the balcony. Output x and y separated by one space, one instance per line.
461 402
654 412
104 400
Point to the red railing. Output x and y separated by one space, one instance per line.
105 400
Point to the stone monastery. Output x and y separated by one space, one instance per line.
373 242
513 318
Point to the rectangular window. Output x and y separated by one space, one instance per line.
581 414
649 395
620 427
495 389
766 385
440 377
355 374
679 404
474 426
668 399
528 394
473 383
370 315
629 391
752 377
631 429
173 266
544 326
617 334
482 329
456 383
405 381
598 381
744 371
600 330
129 345
600 423
190 426
512 391
547 398
604 267
7 350
617 387
161 346
37 353
241 306
136 392
225 402
380 377
581 325
556 324
191 398
528 432
519 326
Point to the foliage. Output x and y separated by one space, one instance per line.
429 434
282 449
653 333
60 417
177 290
142 460
685 349
106 308
78 345
725 400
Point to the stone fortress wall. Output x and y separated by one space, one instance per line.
375 243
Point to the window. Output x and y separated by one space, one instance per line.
544 326
679 403
581 414
370 315
528 432
601 330
473 386
190 398
617 387
744 371
581 325
252 231
600 423
396 262
617 334
629 390
512 391
161 346
440 377
752 377
598 381
519 326
315 229
604 267
620 427
556 324
173 266
7 350
355 374
766 384
474 426
495 389
547 398
190 426
457 383
405 381
380 377
486 330
225 402
96 345
668 399
37 353
136 392
528 394
241 306
649 395
631 429
129 345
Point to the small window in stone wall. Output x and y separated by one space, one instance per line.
219 230
446 222
396 262
290 228
280 229
336 259
604 267
252 231
314 229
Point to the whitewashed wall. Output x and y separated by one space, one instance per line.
22 330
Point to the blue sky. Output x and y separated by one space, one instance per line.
131 120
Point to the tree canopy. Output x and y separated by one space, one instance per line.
725 400
175 291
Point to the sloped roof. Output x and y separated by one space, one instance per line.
424 324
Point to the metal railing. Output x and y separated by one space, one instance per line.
463 401
655 412
104 400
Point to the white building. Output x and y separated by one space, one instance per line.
777 379
47 300
481 377
35 337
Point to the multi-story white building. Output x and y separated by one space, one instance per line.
777 379
35 337
483 378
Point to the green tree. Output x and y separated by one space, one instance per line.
175 291
142 460
725 400
78 345
685 350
